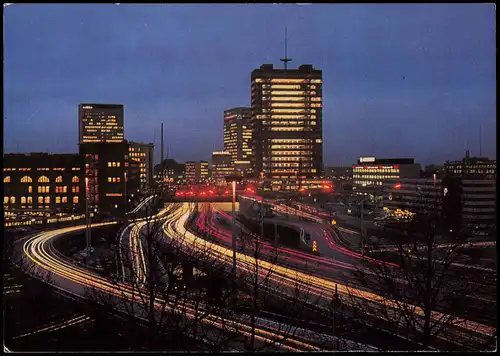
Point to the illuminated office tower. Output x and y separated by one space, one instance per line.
196 172
238 136
140 170
287 121
221 166
100 123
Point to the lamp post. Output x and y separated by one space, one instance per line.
233 179
87 216
125 193
362 231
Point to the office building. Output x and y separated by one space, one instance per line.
196 172
411 195
221 166
140 170
100 123
370 173
341 177
464 202
106 166
479 203
472 168
243 168
171 171
238 133
339 173
287 122
44 182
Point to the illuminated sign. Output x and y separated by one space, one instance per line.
230 117
366 159
87 107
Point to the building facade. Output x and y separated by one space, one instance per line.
106 166
196 172
465 202
287 123
140 170
221 166
170 171
100 123
243 168
370 172
43 182
472 168
238 133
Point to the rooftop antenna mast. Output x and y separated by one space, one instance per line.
480 140
161 148
286 59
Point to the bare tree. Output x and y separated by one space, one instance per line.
156 282
427 290
269 293
37 287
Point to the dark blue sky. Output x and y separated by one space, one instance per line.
399 80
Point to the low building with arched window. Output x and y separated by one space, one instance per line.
43 182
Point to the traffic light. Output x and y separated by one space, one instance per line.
315 246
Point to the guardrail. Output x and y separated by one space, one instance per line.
44 221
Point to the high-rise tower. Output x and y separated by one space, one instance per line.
238 136
287 121
100 123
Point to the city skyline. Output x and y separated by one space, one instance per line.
385 91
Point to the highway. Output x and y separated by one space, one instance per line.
39 253
336 267
142 204
304 261
320 287
38 250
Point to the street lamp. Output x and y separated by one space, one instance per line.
87 215
125 195
233 179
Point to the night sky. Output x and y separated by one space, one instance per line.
399 80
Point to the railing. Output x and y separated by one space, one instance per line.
44 221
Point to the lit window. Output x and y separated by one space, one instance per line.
12 200
75 179
40 200
75 189
65 189
26 179
47 200
23 200
59 179
6 179
43 179
6 200
58 200
64 200
75 200
30 200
